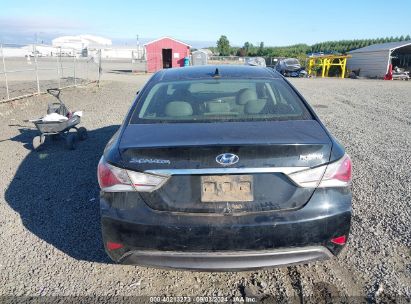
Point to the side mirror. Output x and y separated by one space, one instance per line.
137 92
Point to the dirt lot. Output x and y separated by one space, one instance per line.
50 241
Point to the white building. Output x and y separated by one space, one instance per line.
207 51
118 52
80 42
14 52
81 45
93 45
374 60
43 50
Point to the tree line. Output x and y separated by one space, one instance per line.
223 47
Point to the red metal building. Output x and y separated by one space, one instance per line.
165 53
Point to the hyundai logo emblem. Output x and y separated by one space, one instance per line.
227 159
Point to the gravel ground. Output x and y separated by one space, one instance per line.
50 241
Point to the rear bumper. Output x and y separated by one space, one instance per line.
226 261
219 242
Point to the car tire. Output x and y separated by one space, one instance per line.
38 141
82 133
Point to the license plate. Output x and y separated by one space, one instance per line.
227 188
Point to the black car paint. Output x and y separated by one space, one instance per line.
181 147
177 142
113 154
272 191
289 70
126 215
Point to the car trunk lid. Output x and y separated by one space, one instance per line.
187 151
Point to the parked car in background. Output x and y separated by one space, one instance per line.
255 61
223 168
290 67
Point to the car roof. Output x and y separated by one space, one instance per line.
208 71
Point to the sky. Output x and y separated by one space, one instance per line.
201 23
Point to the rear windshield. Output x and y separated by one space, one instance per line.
291 61
219 100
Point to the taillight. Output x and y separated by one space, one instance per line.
340 240
114 179
336 174
146 182
114 245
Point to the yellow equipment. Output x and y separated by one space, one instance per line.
327 61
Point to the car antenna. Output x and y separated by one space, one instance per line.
216 73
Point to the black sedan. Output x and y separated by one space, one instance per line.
223 168
290 67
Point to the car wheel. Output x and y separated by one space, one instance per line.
82 133
38 141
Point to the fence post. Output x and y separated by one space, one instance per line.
99 68
58 68
61 65
5 73
74 61
87 61
36 69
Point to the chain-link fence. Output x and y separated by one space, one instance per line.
269 61
123 65
32 69
121 59
226 60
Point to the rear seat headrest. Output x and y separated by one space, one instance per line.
254 106
244 95
178 108
181 94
